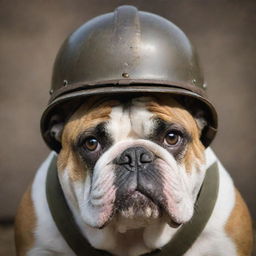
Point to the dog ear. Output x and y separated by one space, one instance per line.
200 120
56 127
196 109
56 131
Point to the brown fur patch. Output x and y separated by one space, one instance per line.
171 111
90 114
239 227
25 222
86 117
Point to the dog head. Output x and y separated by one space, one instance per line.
131 161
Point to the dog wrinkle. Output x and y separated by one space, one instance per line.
98 209
170 177
128 121
140 117
178 204
119 125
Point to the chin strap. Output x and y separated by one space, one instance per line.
179 244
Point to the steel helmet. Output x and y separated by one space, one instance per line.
125 51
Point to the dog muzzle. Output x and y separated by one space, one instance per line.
179 244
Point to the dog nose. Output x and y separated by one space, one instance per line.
135 158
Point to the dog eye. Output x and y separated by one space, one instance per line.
91 143
172 138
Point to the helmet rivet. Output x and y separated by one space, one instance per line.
65 82
125 75
194 81
51 92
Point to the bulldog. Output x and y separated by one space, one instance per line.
131 170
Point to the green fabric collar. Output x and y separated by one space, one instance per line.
178 245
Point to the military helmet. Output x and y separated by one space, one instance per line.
125 51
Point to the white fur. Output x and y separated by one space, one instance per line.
213 240
127 125
133 121
91 200
48 240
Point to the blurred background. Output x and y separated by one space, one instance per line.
31 33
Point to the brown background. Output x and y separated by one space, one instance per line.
32 31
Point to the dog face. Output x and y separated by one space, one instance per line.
131 162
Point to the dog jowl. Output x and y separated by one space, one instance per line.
133 162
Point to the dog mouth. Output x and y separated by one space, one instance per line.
138 209
140 192
138 206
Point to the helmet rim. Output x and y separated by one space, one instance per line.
207 135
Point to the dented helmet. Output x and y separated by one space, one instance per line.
126 51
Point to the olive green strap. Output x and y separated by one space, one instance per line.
189 232
63 216
178 245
